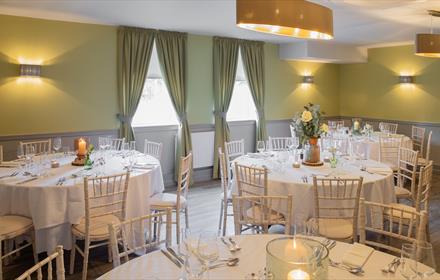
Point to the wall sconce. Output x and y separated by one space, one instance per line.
30 70
307 79
406 79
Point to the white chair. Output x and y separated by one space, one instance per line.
233 150
11 227
406 172
124 234
407 226
424 159
418 139
1 153
117 144
389 150
388 127
37 147
178 202
336 123
280 143
105 199
261 212
225 196
337 207
153 149
251 181
59 260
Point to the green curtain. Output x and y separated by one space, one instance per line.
134 53
252 53
171 49
225 56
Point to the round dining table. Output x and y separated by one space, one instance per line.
252 261
54 197
284 179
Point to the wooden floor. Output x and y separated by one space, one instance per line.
204 201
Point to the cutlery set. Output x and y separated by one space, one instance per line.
13 174
392 266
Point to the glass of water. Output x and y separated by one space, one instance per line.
407 261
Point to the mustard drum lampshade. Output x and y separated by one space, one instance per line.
428 44
293 18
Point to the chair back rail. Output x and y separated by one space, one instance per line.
37 269
280 143
153 149
388 127
250 180
40 146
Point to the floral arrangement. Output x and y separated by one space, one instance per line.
89 162
308 124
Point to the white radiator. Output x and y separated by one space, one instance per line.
203 148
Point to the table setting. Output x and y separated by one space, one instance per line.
48 187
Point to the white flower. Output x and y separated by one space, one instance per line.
324 128
306 116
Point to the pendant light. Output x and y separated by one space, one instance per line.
293 18
428 44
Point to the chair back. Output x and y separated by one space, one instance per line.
388 127
117 144
262 212
250 181
1 153
418 139
337 198
153 149
37 269
424 187
184 179
224 174
428 146
334 124
407 169
280 143
403 224
105 195
124 234
389 150
38 147
233 150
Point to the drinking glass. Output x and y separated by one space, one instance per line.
190 240
260 146
407 261
207 248
57 144
193 267
20 152
424 264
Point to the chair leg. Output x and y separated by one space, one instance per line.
109 252
34 247
225 217
1 257
221 218
186 218
72 256
86 258
178 226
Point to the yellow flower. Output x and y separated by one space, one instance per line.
324 128
306 116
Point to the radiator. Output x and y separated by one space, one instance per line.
203 148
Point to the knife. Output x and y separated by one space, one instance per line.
27 180
179 258
171 258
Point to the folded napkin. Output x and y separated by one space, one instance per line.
379 170
357 255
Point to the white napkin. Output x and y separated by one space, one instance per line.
357 255
379 170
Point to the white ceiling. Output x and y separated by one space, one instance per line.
356 22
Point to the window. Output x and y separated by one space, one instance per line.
242 107
155 107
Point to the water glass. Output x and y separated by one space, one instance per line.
407 261
56 145
261 145
424 264
207 248
193 268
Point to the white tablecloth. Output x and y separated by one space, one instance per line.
252 259
286 180
54 209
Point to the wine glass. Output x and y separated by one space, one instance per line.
407 257
56 144
424 264
260 146
20 152
207 248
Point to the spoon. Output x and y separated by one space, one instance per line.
353 270
231 247
236 247
230 262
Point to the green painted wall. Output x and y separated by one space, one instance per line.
78 90
372 89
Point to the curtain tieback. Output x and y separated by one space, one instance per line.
182 117
124 118
220 114
260 112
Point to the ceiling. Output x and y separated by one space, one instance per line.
356 22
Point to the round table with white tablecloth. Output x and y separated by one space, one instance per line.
53 208
252 260
283 179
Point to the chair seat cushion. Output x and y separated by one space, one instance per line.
396 213
12 226
401 192
164 200
335 228
98 226
255 213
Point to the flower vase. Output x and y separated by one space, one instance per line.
312 153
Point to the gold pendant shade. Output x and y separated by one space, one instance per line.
293 18
428 44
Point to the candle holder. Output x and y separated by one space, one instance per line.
297 258
80 146
356 126
80 160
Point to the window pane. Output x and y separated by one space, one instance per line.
242 107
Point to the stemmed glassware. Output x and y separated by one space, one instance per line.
21 156
56 145
261 146
207 248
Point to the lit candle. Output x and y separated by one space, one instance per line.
82 149
356 125
298 274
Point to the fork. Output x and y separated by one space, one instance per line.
13 174
61 180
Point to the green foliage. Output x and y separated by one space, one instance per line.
308 124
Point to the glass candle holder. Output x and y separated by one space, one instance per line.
356 125
297 258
